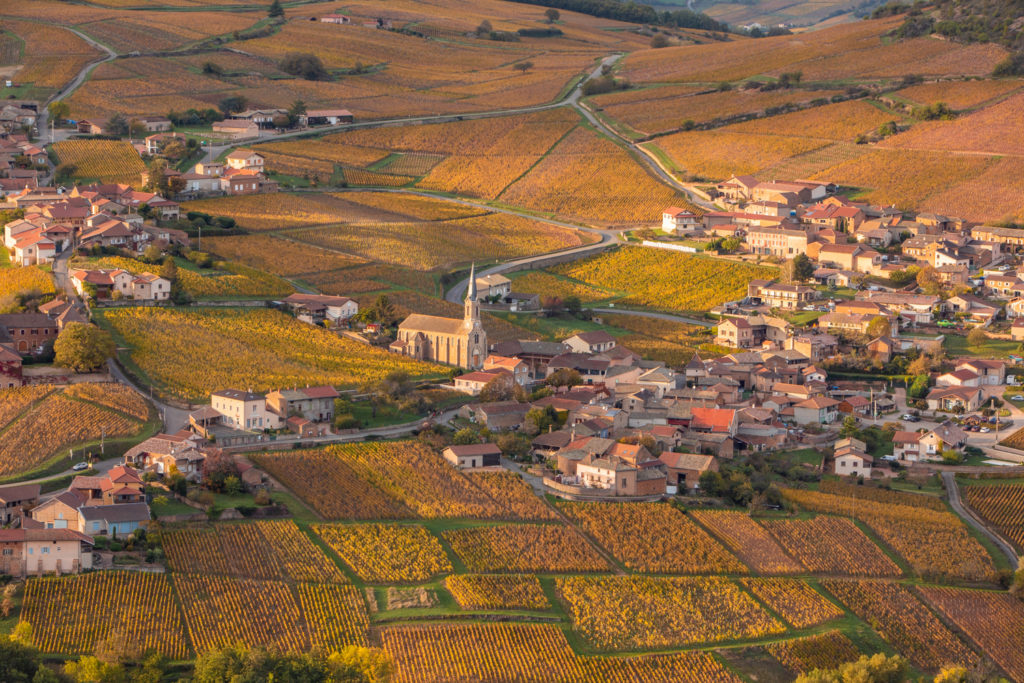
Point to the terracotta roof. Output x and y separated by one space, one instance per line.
475 449
19 492
717 419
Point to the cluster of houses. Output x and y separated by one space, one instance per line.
248 124
241 173
30 334
236 417
20 159
86 216
783 219
56 534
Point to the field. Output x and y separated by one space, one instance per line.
653 538
590 178
960 94
223 281
794 601
72 614
23 279
666 280
261 550
52 55
718 154
989 130
429 245
995 621
387 553
825 651
547 285
660 109
523 548
221 611
497 591
43 422
260 349
396 480
1001 506
104 161
904 622
831 545
749 540
640 612
935 543
280 210
278 255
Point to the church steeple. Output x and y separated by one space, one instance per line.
472 306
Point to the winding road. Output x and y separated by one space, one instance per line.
949 479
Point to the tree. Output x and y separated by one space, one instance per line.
117 125
659 40
83 347
169 269
501 388
275 10
552 14
540 419
303 64
976 337
919 387
218 467
849 427
464 436
879 327
137 129
484 28
523 67
803 268
513 445
297 109
59 110
384 311
564 377
281 121
65 172
928 281
877 668
232 105
18 661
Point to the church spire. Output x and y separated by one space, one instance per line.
471 291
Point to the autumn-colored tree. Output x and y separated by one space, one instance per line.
83 347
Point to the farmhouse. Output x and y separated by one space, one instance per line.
679 221
16 500
473 456
25 552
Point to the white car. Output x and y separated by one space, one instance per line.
985 430
80 466
1018 397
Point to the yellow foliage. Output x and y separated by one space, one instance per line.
524 548
387 553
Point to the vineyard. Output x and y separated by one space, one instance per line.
428 245
497 591
73 614
749 540
654 538
397 480
261 550
190 353
794 601
223 281
104 161
934 542
280 210
904 622
523 548
994 621
278 255
667 280
589 177
642 612
387 553
825 651
832 545
1001 506
24 279
43 422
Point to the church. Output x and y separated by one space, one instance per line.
446 340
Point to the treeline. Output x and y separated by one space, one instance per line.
966 21
634 13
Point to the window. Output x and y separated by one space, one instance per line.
44 550
8 552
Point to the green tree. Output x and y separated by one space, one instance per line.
659 40
564 377
117 125
513 445
232 105
83 347
849 427
464 436
169 269
275 10
928 281
305 65
523 67
919 387
552 15
92 670
501 388
151 254
803 268
18 661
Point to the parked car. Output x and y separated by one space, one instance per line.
79 466
1017 397
910 418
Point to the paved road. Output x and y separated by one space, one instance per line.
949 479
43 121
173 418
